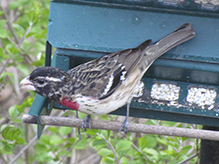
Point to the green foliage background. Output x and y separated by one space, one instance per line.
23 29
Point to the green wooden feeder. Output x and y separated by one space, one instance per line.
182 85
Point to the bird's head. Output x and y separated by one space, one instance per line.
45 81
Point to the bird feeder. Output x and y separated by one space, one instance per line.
181 85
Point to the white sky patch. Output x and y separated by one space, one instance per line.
167 92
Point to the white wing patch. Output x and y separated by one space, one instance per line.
108 86
123 76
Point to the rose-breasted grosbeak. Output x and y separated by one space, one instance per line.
104 84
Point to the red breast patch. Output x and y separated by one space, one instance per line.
70 104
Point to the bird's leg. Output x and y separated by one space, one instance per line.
85 122
79 131
125 125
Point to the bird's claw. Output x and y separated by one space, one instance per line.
125 126
85 122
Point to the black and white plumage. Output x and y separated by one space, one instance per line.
107 83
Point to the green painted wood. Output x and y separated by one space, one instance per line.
107 28
40 106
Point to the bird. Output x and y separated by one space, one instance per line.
103 85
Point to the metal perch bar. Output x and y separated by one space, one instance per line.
114 126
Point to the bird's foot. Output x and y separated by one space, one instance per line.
125 126
86 122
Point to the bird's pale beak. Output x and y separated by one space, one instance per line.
27 84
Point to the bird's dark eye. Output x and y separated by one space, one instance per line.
41 81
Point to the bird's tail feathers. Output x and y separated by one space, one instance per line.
179 36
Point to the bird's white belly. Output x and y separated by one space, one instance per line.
119 98
99 107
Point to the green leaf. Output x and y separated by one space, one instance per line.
40 46
19 29
40 148
53 129
21 141
42 156
30 34
170 148
1 13
2 23
142 142
173 162
104 152
7 146
55 139
26 47
168 152
3 33
13 111
24 69
185 149
6 132
151 151
64 131
180 156
14 4
13 134
5 74
36 7
166 157
32 17
138 162
99 142
40 34
104 133
122 145
152 141
11 48
124 160
70 140
162 140
17 120
82 144
107 160
62 152
121 153
91 132
44 140
18 58
1 52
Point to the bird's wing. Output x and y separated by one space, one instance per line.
100 77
